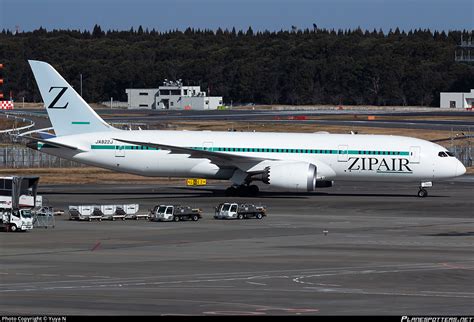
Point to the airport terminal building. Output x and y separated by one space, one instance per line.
457 100
173 96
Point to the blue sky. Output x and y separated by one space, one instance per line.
259 14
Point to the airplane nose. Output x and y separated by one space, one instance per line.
460 169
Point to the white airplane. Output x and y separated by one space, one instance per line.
286 161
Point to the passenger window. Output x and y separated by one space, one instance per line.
169 211
233 208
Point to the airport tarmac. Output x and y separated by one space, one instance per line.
385 251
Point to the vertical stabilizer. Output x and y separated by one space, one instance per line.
68 112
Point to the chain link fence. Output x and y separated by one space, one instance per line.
17 156
463 153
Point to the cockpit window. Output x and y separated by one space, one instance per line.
442 154
451 154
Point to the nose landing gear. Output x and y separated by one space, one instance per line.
422 193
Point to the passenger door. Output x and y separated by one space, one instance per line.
119 151
414 156
342 153
207 146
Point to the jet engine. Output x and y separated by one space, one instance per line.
290 176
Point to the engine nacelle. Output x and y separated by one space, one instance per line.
291 176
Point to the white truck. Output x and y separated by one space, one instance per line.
230 210
16 220
17 198
174 213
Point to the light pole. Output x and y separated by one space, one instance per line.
81 83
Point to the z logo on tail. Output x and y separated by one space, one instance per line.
56 99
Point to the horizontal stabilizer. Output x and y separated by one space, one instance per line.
49 143
46 135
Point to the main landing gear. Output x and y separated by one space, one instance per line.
422 193
242 191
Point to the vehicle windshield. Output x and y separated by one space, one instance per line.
26 214
161 209
226 207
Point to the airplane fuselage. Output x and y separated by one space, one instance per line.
288 161
341 156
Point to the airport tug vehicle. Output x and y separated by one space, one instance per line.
239 211
174 213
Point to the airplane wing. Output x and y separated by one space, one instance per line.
51 143
220 159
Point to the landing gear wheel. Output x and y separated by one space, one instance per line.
242 191
422 193
230 192
253 190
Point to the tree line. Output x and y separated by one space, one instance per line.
309 66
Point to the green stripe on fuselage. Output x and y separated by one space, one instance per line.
121 147
257 150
